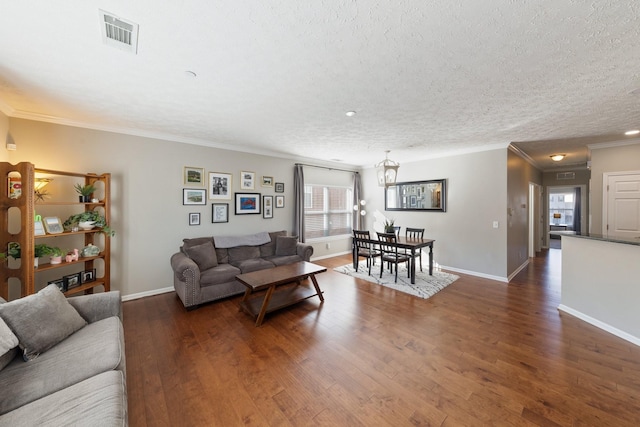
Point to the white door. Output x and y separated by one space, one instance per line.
622 214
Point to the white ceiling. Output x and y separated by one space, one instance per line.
426 78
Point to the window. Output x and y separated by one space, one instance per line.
561 206
328 211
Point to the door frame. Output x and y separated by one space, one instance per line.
583 208
535 219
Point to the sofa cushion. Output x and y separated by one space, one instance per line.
242 253
6 358
98 401
195 241
221 274
286 245
41 320
284 260
96 348
255 264
269 249
203 254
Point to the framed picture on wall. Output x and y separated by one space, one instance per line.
279 187
220 212
219 185
267 207
267 181
194 218
193 176
247 180
247 203
279 201
192 196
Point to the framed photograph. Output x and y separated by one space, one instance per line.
247 203
59 283
88 276
219 185
52 225
247 180
193 176
72 280
267 207
267 181
39 228
192 196
220 212
279 187
279 201
194 218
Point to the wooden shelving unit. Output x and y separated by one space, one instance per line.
26 238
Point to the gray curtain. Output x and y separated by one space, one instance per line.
358 220
577 211
298 195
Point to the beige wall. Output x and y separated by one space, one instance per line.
519 174
476 196
4 135
151 221
610 159
147 183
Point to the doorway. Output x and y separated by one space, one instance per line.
536 221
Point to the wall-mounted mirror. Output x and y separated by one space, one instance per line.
416 196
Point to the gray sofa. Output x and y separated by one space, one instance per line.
76 372
205 268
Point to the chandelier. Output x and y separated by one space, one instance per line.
387 171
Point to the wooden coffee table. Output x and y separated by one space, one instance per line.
272 278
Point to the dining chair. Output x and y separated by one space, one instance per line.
396 229
390 254
415 233
364 248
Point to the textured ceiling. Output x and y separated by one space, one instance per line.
426 78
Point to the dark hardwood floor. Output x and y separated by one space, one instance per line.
479 352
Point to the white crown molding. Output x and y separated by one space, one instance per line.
619 143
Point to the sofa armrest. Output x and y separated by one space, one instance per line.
304 251
184 267
94 307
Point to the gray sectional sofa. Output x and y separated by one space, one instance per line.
75 368
205 268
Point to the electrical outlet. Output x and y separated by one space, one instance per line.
328 245
495 224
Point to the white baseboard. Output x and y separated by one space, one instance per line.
475 273
330 256
519 269
147 293
598 324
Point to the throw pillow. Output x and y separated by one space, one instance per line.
286 245
8 343
41 320
204 255
8 339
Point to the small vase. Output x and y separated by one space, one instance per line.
84 199
56 259
35 262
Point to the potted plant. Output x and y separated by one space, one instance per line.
93 217
56 255
388 225
84 191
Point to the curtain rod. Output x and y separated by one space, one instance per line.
326 167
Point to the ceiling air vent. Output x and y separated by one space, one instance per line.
565 175
118 32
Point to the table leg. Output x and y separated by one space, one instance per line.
315 284
244 298
265 304
431 259
412 263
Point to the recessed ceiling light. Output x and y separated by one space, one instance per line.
350 113
632 132
557 157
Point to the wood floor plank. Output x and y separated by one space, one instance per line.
479 352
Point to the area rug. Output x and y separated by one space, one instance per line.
425 286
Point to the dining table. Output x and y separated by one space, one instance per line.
412 244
